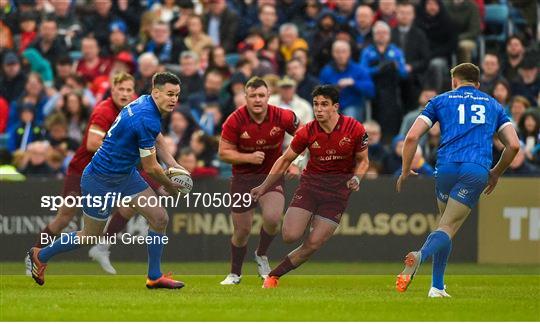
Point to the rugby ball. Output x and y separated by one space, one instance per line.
182 177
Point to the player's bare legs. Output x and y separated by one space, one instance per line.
295 223
242 222
272 204
322 229
63 217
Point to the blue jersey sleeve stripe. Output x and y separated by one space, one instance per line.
426 119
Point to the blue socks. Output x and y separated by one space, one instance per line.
62 244
439 265
438 244
154 255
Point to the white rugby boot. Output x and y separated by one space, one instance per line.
437 293
100 253
263 267
231 279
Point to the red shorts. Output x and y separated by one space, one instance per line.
72 185
319 203
242 184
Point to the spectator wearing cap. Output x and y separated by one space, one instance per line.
148 65
69 26
28 27
221 24
197 39
92 65
166 49
305 83
24 129
192 81
466 18
12 78
352 79
387 13
528 83
48 43
118 38
386 65
491 72
515 51
290 40
414 43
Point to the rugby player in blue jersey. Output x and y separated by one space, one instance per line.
133 137
468 119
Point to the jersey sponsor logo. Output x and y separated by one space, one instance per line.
331 151
275 131
261 141
245 135
345 141
315 145
463 193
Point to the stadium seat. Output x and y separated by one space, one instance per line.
496 20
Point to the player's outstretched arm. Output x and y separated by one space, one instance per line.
419 128
151 166
228 153
510 140
362 165
278 170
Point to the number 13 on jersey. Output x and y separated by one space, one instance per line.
479 116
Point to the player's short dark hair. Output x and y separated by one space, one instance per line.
256 82
161 78
466 72
328 91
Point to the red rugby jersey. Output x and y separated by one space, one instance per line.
249 136
103 116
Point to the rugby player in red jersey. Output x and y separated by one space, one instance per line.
251 140
338 160
101 119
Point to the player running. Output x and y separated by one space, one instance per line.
133 137
103 115
468 120
338 160
251 140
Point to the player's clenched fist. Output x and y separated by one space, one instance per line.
257 157
256 193
354 183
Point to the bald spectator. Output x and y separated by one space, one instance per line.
352 79
290 40
387 12
466 18
148 65
48 43
386 65
296 70
362 30
221 24
491 72
414 44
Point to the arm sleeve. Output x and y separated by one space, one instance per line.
300 141
428 114
290 121
147 133
502 118
361 139
229 131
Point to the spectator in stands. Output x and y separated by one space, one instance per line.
307 20
287 98
63 69
376 150
34 161
491 72
180 20
56 126
344 12
362 29
205 148
386 65
259 67
290 40
181 127
28 26
271 53
221 24
197 39
213 82
387 13
431 146
34 94
165 10
466 18
48 43
166 49
320 52
12 78
97 22
433 19
69 26
518 106
392 161
192 81
529 133
528 82
503 93
187 159
92 65
411 116
217 61
414 43
148 64
267 20
76 114
515 51
118 38
211 119
520 167
305 83
352 79
419 164
24 129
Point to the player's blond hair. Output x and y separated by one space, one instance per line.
121 77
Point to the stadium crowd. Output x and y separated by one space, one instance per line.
388 58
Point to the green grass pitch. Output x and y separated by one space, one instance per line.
314 292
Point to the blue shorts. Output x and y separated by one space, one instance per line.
463 182
102 188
